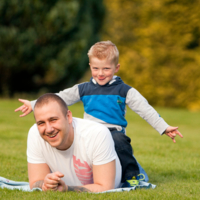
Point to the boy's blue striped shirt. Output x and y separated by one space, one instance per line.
105 102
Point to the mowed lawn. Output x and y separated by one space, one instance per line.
174 168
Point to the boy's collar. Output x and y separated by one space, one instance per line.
112 81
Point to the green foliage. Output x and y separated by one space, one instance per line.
45 43
159 44
174 168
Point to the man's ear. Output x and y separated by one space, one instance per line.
69 116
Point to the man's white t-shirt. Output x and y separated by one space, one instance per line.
92 145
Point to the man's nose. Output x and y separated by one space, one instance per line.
49 128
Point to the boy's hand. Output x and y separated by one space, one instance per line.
172 132
25 108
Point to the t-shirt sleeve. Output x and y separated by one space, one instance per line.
103 147
34 152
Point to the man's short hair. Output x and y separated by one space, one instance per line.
50 97
104 50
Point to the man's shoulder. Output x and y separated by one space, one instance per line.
33 131
95 139
87 124
33 128
86 127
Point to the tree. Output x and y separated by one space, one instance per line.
159 44
44 44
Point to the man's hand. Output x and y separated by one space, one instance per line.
53 181
172 132
25 108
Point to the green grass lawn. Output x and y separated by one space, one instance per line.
174 168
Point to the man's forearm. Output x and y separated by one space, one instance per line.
77 189
38 184
87 188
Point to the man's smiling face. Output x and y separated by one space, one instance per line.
54 127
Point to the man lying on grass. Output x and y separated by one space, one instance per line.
69 154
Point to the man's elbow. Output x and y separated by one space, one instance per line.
109 185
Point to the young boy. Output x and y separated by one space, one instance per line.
105 98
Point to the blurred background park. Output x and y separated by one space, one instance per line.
44 45
43 48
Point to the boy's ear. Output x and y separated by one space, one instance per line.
117 68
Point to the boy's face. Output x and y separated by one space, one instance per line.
102 70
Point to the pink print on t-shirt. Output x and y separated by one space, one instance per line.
83 171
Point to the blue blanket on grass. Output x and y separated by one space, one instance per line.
24 186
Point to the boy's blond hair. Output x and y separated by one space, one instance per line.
104 50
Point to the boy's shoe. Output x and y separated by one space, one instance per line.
134 181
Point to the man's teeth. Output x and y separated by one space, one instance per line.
52 135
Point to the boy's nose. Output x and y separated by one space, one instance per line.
100 72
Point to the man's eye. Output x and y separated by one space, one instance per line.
40 123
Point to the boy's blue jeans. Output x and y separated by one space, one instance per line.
124 151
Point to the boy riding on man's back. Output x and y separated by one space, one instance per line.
105 98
